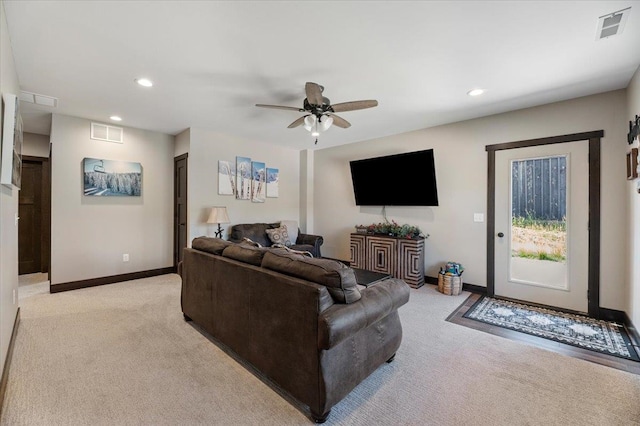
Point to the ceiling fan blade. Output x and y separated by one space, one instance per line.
354 105
340 122
280 107
296 123
314 93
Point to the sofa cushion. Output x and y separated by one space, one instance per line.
279 235
210 245
245 253
339 279
255 231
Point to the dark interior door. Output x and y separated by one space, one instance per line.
180 207
30 224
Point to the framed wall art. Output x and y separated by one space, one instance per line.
11 167
632 164
243 178
108 178
258 182
226 177
272 182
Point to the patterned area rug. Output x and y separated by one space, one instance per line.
577 330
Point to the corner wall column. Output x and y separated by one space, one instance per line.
306 191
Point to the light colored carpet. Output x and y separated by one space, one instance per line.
121 354
31 284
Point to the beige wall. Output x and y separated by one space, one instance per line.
461 169
89 235
8 208
633 308
35 145
206 148
182 143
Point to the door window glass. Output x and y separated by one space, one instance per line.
538 243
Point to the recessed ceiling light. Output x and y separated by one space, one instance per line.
115 118
144 82
475 92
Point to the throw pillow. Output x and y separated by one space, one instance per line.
279 235
292 229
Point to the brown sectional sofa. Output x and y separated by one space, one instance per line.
303 322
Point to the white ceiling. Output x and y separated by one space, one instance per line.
211 62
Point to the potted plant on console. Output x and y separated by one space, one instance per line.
392 229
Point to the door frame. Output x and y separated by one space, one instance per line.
45 229
176 243
593 138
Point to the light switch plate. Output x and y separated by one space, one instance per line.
478 217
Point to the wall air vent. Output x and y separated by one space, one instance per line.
37 99
612 24
102 132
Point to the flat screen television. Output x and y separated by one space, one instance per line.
407 179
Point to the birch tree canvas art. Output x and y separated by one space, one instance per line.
258 184
226 177
243 178
273 176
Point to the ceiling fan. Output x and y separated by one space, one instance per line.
319 113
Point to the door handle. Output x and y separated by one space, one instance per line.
500 234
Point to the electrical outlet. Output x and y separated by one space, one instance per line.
125 257
478 217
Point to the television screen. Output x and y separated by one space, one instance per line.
407 179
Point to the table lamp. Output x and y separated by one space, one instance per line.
218 215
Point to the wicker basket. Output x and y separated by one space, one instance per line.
449 284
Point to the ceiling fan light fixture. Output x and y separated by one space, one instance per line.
309 121
325 122
319 113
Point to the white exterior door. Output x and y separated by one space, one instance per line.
541 224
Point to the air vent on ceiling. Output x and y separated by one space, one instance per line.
37 99
612 24
102 132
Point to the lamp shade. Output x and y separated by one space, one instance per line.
218 215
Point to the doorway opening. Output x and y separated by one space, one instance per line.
499 264
34 227
179 207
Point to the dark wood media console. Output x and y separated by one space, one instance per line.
399 257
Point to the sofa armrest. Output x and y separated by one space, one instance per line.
341 321
312 240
